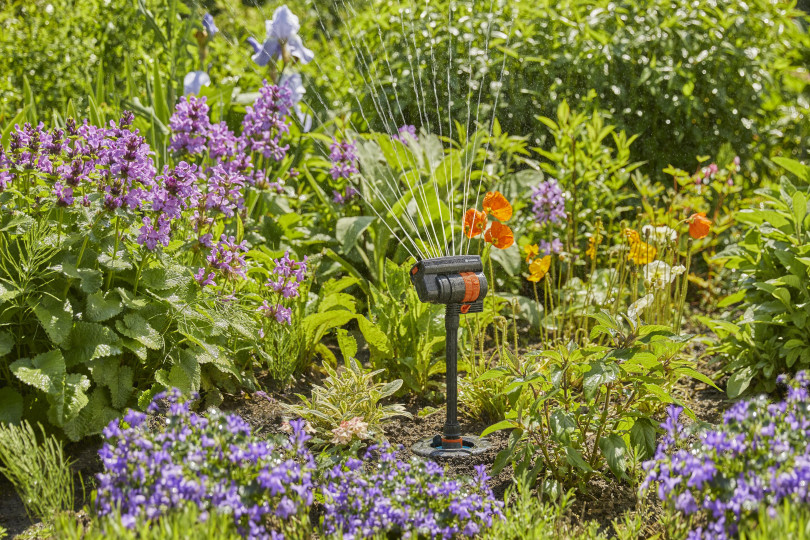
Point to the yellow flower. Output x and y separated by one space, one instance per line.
640 252
593 241
532 251
539 268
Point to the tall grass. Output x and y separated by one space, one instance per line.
40 473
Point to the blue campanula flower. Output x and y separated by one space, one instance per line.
209 25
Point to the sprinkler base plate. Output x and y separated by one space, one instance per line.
431 447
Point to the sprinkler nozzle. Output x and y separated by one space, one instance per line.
459 283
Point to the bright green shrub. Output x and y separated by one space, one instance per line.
769 331
687 76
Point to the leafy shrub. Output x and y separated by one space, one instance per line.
347 407
210 461
408 498
772 335
757 458
629 59
40 473
574 408
787 520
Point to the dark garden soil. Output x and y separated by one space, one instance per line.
604 500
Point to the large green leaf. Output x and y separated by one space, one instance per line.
136 327
45 372
103 306
55 317
110 373
89 341
6 343
92 418
349 229
378 342
601 373
642 437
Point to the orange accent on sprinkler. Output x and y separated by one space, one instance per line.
472 287
452 441
465 308
414 270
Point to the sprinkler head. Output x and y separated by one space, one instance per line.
459 283
457 279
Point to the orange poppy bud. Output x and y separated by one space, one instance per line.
474 222
499 235
699 225
496 205
539 268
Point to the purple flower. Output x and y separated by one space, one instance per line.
548 203
64 195
344 158
547 248
203 279
405 132
151 236
190 126
209 26
266 121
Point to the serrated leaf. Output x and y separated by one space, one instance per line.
94 417
90 278
347 344
55 317
69 400
117 264
103 306
377 341
8 292
45 372
137 348
136 327
89 341
110 373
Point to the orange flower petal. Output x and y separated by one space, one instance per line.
496 205
499 235
474 222
699 226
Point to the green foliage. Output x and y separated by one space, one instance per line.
791 522
187 524
670 71
768 331
573 409
40 473
411 333
348 394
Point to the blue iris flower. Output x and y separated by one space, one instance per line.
282 30
209 25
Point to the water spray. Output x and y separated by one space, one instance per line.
459 283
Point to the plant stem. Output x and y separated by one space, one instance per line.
684 287
114 255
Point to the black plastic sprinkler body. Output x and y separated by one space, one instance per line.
457 281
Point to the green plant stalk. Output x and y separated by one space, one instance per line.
494 307
114 255
144 260
682 299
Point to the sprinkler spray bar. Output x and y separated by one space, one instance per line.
457 281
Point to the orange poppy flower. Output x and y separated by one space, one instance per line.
699 225
532 251
539 268
499 235
496 205
474 222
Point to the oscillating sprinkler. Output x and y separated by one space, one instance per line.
459 283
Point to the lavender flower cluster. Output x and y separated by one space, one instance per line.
343 156
210 461
285 280
411 498
758 457
548 203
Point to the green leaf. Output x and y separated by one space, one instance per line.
732 299
574 458
791 165
347 344
110 373
103 306
55 317
89 341
6 343
44 372
90 278
94 417
136 327
642 437
799 208
503 424
739 382
378 342
11 406
7 294
615 452
349 229
601 373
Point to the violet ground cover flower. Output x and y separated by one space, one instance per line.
548 203
758 457
211 461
